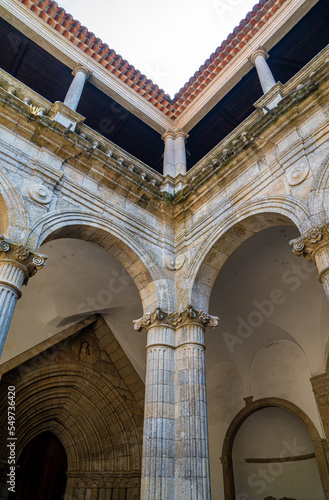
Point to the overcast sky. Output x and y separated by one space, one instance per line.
167 41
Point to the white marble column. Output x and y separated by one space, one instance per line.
192 448
158 463
169 154
180 152
314 246
17 264
265 76
74 93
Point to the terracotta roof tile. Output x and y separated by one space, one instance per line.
64 23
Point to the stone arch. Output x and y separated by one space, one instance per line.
241 417
117 241
230 231
14 218
85 411
319 193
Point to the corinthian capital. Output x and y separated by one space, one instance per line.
176 319
309 243
197 316
21 255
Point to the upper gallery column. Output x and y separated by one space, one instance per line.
180 152
258 58
174 158
169 154
314 246
17 264
81 75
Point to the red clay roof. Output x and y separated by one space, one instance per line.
70 28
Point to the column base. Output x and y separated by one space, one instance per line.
64 115
271 99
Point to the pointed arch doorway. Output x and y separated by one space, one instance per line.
42 469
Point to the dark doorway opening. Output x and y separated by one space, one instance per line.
41 474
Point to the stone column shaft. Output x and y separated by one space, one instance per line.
180 153
12 276
265 75
74 93
175 441
81 493
17 264
69 489
192 453
108 494
158 463
169 154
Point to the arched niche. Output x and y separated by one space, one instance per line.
290 450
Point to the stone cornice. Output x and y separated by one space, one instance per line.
174 320
231 151
263 26
70 54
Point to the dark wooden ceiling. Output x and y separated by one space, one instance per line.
287 57
36 68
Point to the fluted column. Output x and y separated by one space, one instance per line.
180 152
175 441
17 264
158 463
74 93
314 246
174 158
265 75
192 448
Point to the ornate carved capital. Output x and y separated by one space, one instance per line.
176 319
309 243
21 255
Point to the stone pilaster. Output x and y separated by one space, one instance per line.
17 264
81 74
314 246
175 448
